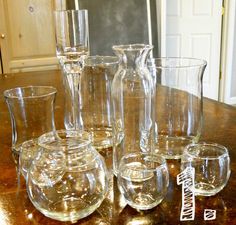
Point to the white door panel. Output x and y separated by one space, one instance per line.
193 29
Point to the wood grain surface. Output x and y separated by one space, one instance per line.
16 208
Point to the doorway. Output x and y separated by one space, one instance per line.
193 29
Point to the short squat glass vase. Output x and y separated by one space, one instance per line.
67 180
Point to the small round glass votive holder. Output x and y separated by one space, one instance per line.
143 179
212 167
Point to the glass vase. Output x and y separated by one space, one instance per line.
72 46
67 180
32 114
132 97
179 115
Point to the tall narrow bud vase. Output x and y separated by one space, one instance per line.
72 46
132 97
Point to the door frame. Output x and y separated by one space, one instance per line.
161 27
227 53
4 41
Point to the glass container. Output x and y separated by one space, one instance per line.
32 114
67 180
72 34
72 46
143 179
178 103
95 93
211 163
132 98
96 107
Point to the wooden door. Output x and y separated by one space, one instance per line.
193 29
27 35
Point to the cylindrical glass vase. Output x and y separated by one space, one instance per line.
95 94
178 103
132 98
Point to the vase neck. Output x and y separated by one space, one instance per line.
132 56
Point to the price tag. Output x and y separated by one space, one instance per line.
186 179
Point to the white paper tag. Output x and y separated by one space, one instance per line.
186 179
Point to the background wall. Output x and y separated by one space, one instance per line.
233 79
118 22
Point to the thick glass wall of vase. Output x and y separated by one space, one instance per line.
178 103
132 98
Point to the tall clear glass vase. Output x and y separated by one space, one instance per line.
132 97
179 115
72 46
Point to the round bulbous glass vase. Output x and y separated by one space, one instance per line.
67 180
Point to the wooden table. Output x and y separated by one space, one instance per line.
16 208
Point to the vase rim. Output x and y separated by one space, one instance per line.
176 62
18 92
54 140
101 60
132 47
211 150
152 158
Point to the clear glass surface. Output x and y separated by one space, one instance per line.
95 95
132 100
32 114
67 180
71 80
72 34
143 179
212 167
72 44
178 103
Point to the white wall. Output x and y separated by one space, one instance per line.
233 79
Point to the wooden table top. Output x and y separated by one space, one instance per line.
16 208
